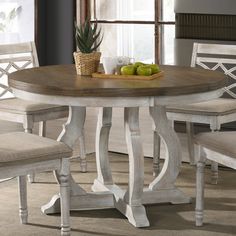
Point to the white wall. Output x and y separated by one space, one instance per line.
183 47
206 6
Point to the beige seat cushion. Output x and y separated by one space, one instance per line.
220 106
19 106
19 146
222 142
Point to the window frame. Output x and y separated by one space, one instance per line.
83 12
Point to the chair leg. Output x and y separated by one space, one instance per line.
199 193
28 127
156 153
23 211
42 128
64 180
214 172
83 161
190 134
214 165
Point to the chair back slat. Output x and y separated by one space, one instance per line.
14 57
6 49
214 60
217 57
216 49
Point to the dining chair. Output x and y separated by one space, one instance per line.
20 56
218 147
23 153
215 112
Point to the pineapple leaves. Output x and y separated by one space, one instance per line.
88 37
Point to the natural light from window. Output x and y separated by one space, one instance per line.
16 21
135 40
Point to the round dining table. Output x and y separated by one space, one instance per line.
179 85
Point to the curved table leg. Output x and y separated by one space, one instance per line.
135 211
102 136
109 195
163 189
72 130
129 203
156 152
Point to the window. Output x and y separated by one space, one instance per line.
168 31
141 29
128 28
16 21
16 25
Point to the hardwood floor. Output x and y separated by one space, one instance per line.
165 219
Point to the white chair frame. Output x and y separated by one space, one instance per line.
62 168
204 154
12 54
215 121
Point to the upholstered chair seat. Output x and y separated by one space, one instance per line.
24 153
214 113
219 147
20 106
20 146
220 106
23 56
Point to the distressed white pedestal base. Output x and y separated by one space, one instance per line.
106 194
114 198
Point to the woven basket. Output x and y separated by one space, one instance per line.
86 63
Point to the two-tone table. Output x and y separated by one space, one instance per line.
179 85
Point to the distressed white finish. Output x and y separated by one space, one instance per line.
102 136
172 163
211 62
119 102
135 212
21 170
206 153
23 211
64 181
15 57
106 193
200 191
127 202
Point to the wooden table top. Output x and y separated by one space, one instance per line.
62 80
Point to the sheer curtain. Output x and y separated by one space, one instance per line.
16 21
133 40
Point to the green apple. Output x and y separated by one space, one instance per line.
137 64
144 70
127 70
155 68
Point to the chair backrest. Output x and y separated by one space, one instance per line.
15 57
217 57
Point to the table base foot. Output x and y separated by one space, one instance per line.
92 201
89 201
173 196
53 206
136 214
112 196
